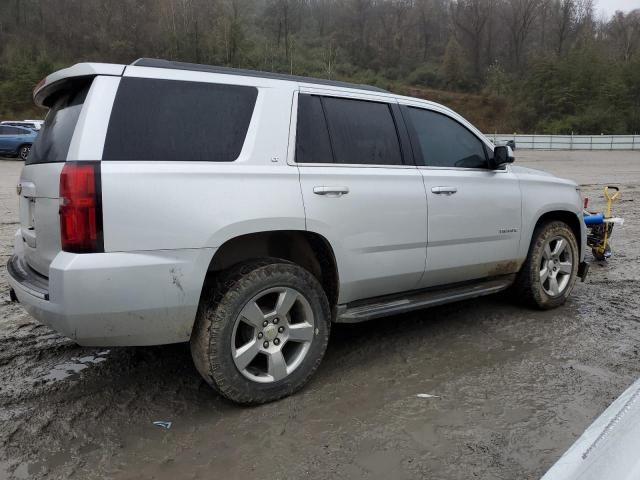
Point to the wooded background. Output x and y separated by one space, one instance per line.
546 66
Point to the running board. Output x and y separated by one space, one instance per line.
397 304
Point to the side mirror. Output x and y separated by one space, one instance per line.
502 154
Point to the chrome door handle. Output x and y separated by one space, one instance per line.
444 190
331 191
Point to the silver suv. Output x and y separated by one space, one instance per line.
246 212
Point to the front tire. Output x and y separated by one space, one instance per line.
550 271
261 331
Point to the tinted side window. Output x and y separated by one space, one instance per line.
444 142
54 138
177 120
312 136
362 132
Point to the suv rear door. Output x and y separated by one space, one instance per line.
361 190
474 212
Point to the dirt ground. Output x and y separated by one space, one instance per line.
513 387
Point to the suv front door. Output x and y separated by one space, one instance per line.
474 212
361 190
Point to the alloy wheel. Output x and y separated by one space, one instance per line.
24 152
556 266
272 334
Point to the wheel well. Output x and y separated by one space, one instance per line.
309 250
569 218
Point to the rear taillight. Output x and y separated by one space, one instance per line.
81 208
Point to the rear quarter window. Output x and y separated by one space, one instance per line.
178 120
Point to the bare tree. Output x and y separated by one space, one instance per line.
564 14
624 30
470 18
520 17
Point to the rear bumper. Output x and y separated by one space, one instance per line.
115 299
30 281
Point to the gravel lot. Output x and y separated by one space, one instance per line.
513 387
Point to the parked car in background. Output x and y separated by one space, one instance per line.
16 141
294 203
32 124
37 123
508 143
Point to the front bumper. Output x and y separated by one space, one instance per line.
115 299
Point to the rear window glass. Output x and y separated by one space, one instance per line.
12 131
362 132
177 120
54 138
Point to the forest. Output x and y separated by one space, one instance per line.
535 66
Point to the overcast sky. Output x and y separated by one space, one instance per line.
608 7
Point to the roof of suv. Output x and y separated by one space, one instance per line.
76 73
158 63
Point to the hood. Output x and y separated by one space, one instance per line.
517 169
531 174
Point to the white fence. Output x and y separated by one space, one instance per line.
570 142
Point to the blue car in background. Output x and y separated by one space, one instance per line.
16 141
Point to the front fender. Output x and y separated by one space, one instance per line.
543 195
560 210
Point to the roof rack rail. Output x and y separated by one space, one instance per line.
159 63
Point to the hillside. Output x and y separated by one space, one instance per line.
490 114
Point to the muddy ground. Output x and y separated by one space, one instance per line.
512 387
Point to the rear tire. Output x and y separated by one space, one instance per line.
550 270
23 152
261 331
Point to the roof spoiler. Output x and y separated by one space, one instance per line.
62 78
